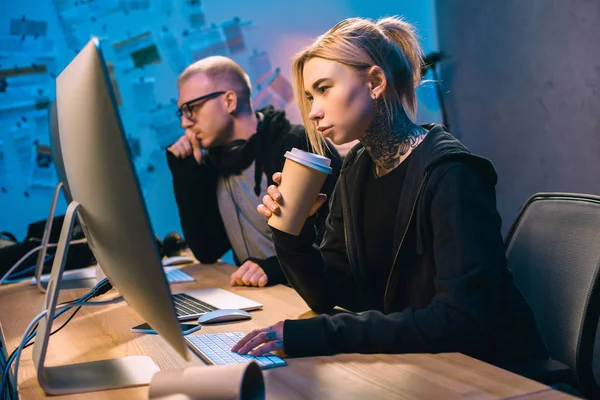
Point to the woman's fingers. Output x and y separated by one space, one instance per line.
268 347
257 341
264 211
270 204
274 193
259 337
321 198
277 177
243 341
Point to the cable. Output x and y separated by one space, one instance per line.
29 328
100 288
32 251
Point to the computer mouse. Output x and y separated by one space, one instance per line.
223 316
177 260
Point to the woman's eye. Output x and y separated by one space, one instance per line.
323 89
310 99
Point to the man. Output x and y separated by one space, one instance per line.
223 165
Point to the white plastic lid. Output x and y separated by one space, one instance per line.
311 160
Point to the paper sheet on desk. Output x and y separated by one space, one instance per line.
83 273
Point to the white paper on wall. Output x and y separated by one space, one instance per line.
171 50
232 30
166 125
205 42
22 136
43 174
30 46
260 67
144 95
27 27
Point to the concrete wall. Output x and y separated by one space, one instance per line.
523 89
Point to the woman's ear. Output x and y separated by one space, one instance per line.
231 101
377 81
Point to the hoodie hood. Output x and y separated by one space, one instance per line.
272 123
438 147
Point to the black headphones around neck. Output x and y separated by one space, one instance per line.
233 157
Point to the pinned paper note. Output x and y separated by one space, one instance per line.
275 90
22 136
205 42
27 27
25 45
144 95
260 67
166 125
282 87
195 13
136 52
233 36
44 172
171 49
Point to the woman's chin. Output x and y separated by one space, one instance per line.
339 140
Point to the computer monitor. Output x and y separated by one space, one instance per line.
56 150
108 202
62 185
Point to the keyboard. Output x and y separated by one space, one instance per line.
188 307
175 275
215 349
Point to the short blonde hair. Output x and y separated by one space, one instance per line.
226 73
389 43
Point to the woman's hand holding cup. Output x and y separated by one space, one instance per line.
272 200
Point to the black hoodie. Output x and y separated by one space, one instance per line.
449 289
195 188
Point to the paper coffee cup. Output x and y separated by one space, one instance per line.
302 178
219 382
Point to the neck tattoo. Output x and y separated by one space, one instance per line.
389 144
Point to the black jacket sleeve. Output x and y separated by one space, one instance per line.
321 275
297 138
196 195
469 257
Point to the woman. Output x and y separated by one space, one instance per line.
413 240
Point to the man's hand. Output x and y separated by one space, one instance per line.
249 274
187 145
261 341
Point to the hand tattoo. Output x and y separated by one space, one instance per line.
271 335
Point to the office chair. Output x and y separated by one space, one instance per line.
553 251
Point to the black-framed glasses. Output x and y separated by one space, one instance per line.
187 108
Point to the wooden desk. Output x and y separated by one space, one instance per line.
103 332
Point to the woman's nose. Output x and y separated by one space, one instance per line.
316 113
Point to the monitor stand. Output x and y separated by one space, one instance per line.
88 376
39 265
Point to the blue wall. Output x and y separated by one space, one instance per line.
276 28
